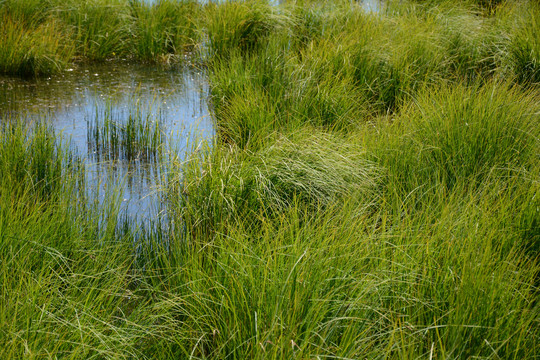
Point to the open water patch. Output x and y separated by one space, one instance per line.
79 100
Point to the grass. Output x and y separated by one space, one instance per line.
463 134
372 193
133 136
164 30
33 160
31 49
239 26
524 49
45 37
52 252
100 28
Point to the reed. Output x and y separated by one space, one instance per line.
29 12
43 37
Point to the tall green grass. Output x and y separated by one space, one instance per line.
164 30
34 161
524 47
220 186
133 136
43 37
463 134
66 281
372 193
447 280
239 26
28 49
397 238
100 28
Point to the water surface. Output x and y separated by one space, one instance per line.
175 97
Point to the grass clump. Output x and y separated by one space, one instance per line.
100 28
163 30
34 161
239 26
464 133
524 47
29 49
136 136
316 170
306 169
43 37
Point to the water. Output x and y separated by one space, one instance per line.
368 5
177 97
372 5
71 100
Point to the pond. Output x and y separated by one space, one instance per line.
79 100
73 101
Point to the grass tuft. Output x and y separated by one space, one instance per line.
136 136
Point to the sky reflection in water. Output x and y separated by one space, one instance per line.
176 97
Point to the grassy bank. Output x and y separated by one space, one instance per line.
372 193
43 37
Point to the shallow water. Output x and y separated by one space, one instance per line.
372 5
176 97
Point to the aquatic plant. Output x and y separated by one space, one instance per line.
134 136
34 161
372 193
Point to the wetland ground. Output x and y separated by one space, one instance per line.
360 184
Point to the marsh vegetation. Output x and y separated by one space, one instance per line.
372 190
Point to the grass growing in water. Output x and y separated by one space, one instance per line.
65 279
34 161
137 135
41 38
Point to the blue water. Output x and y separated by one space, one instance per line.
372 5
176 97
